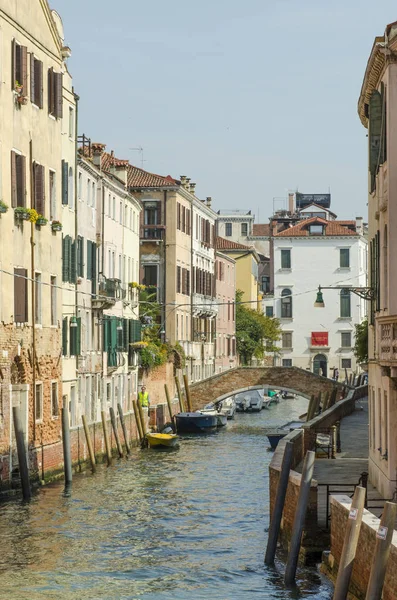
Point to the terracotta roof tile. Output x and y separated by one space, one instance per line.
261 229
223 244
332 228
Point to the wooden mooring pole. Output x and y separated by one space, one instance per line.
21 449
137 420
275 522
124 428
178 389
116 433
187 391
384 537
352 533
299 519
67 458
310 408
89 444
106 438
143 426
167 395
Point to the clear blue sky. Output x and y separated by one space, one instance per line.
249 98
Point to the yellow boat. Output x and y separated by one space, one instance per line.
167 440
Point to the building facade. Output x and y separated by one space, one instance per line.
326 252
376 108
33 75
225 282
247 262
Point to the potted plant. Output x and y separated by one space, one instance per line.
56 226
22 213
22 99
41 221
3 207
18 87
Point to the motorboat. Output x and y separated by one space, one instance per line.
211 409
266 402
274 397
195 422
277 434
243 403
228 407
256 402
164 440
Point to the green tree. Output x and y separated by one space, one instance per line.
361 342
255 333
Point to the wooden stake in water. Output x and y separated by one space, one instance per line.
106 438
137 420
67 459
21 449
187 392
167 395
352 533
89 444
381 553
178 389
116 433
124 428
300 515
143 424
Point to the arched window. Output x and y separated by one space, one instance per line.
286 304
385 270
70 187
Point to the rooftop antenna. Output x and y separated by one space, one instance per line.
140 150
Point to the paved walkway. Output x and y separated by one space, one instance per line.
343 473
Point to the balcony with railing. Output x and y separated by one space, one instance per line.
109 292
152 233
387 340
204 306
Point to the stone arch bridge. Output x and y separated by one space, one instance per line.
242 379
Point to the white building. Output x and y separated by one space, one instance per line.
318 251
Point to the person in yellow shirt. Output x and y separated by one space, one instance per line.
143 397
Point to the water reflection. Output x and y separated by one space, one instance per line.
185 524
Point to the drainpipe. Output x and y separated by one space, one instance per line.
32 267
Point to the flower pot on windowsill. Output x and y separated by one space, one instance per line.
22 214
3 207
56 226
41 221
22 100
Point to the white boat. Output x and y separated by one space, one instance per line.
211 410
228 407
243 403
256 402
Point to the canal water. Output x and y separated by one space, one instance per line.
186 524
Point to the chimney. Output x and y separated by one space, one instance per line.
192 188
187 183
208 201
359 225
97 151
183 180
291 202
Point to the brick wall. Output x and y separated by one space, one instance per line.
155 380
293 378
340 506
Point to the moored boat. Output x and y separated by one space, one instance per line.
256 402
228 407
195 422
165 440
277 434
243 403
210 409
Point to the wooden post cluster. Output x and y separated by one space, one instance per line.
178 389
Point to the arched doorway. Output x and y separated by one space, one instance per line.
320 365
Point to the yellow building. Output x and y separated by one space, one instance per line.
247 261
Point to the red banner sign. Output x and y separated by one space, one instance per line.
319 338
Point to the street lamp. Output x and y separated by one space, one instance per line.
368 293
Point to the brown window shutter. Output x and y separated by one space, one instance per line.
13 63
39 189
193 280
58 95
51 91
32 78
178 215
24 70
38 83
21 179
20 296
14 201
183 218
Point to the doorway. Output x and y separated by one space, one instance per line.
320 365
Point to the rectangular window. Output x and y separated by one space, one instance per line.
71 122
178 280
53 301
228 229
39 189
265 284
65 331
20 296
37 298
244 229
286 339
19 67
346 339
285 259
287 362
316 229
150 275
344 258
345 303
269 311
55 100
346 363
75 336
80 257
65 182
18 180
36 81
54 399
52 196
39 401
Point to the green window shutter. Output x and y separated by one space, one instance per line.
80 256
73 261
65 259
78 336
120 335
112 355
135 331
105 336
65 336
125 335
93 269
65 170
89 259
